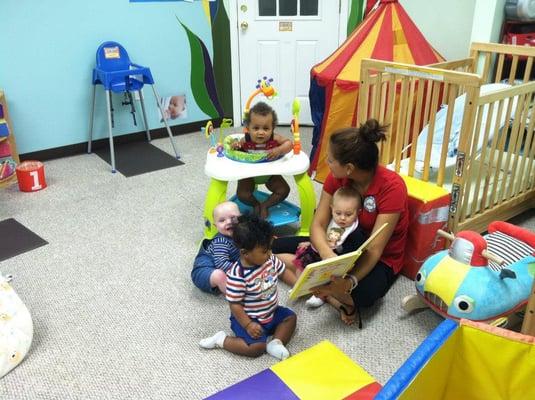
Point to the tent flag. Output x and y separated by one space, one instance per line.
387 33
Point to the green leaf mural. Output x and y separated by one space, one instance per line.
222 56
356 13
202 76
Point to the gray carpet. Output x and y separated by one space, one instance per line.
115 313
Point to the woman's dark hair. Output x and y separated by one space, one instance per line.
262 109
251 231
358 145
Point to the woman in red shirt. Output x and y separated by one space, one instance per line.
353 159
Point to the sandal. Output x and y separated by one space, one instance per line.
348 317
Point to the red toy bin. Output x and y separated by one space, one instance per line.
428 212
31 176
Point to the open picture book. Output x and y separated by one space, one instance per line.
320 272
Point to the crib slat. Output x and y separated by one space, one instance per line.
527 173
382 107
417 125
376 92
431 131
464 142
408 121
500 170
476 205
486 67
362 111
512 72
470 163
499 69
527 71
519 134
530 176
428 91
446 138
390 109
513 136
491 167
402 113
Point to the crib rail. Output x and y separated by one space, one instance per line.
491 174
406 98
496 62
498 181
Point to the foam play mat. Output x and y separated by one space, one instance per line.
16 239
470 360
138 158
322 372
280 214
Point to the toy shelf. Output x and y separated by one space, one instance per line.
8 149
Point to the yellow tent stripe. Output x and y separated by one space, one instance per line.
341 110
351 70
402 51
319 68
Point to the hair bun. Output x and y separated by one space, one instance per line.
372 131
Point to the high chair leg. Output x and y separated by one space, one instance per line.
92 115
142 101
165 121
112 150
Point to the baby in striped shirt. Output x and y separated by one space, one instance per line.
253 296
216 256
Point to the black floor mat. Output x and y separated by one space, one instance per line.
16 239
137 158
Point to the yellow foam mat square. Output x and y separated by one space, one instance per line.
322 372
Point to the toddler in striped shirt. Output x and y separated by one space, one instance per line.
253 296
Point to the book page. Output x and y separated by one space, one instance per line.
320 272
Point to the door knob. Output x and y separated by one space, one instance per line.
244 25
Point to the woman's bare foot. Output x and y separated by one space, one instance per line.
348 312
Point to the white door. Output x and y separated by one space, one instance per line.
283 40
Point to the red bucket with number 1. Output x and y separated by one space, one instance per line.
31 176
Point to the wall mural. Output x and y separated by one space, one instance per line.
210 80
211 84
202 76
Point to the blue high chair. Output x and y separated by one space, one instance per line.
118 74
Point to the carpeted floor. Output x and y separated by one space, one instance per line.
115 313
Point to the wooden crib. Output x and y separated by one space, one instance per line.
490 173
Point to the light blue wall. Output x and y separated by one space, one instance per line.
447 25
48 52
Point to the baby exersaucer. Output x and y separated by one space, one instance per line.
221 170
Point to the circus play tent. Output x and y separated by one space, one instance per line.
387 33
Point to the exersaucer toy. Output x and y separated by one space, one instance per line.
209 132
478 278
231 167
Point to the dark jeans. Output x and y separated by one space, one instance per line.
288 244
374 286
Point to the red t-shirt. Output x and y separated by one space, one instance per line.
386 194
